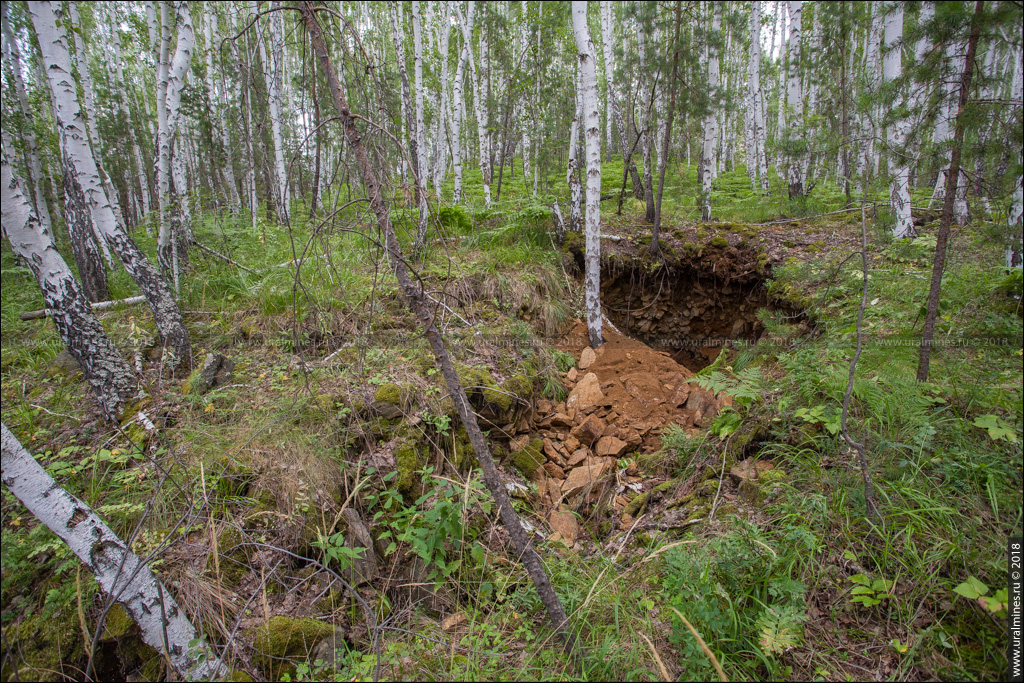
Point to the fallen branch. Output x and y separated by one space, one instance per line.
222 257
98 306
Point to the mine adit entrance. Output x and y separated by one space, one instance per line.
690 308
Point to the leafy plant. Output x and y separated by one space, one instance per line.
870 593
974 589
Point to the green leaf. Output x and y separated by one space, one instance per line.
862 590
998 430
861 579
971 589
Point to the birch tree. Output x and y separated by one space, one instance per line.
457 109
796 145
592 134
608 33
899 189
412 139
572 170
168 244
80 171
26 130
417 37
122 103
707 156
120 573
275 99
217 116
106 373
479 93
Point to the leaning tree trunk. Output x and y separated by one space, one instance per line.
119 572
942 239
423 308
80 168
899 190
104 370
592 133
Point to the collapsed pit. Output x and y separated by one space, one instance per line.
685 309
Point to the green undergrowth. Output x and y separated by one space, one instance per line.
335 403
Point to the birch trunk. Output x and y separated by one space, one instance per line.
625 147
217 112
458 107
417 40
592 134
780 125
90 122
424 309
645 135
275 96
107 374
753 82
899 190
483 134
27 129
572 172
440 166
707 156
795 105
122 101
120 572
80 170
174 83
412 141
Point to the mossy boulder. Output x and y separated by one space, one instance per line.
719 242
215 371
529 458
284 638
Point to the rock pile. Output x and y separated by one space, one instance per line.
621 396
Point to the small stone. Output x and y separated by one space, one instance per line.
611 446
554 470
578 456
581 479
554 489
571 443
519 443
552 452
543 406
572 374
565 528
587 358
590 430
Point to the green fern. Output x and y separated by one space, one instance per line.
780 629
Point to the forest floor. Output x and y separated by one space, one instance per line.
660 477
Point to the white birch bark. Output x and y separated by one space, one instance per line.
105 371
122 101
80 169
609 115
707 156
899 190
90 122
457 116
613 99
780 125
440 167
421 142
1015 215
572 177
483 134
592 133
217 115
275 95
27 131
795 103
177 71
119 572
751 101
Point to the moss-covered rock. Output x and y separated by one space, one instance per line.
462 454
719 242
284 638
529 458
408 462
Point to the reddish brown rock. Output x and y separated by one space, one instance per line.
587 358
572 374
578 456
590 430
564 528
554 470
581 479
587 395
610 446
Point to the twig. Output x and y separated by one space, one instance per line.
222 257
869 498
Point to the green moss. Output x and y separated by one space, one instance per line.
408 462
462 452
815 247
636 506
390 393
117 622
283 638
719 242
45 645
530 458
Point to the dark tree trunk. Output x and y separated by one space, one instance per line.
91 269
952 175
420 304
